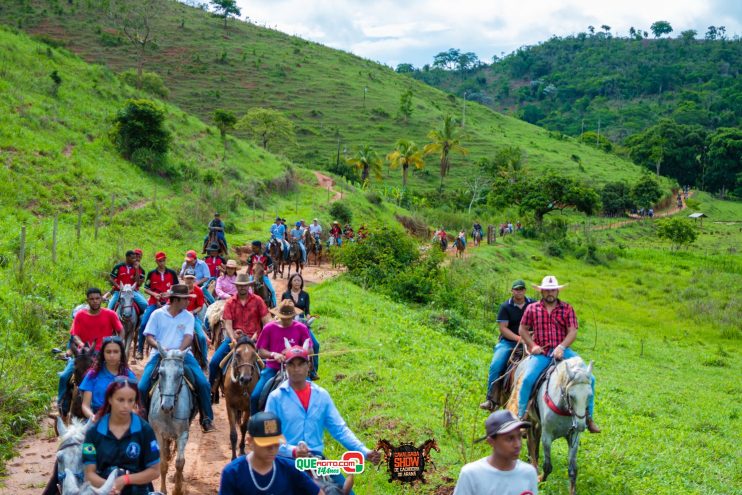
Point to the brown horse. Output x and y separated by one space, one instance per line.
314 246
238 383
460 247
83 361
427 447
295 257
261 288
276 251
214 315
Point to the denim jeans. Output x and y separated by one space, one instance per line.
207 294
138 299
198 329
535 365
216 358
499 363
265 375
143 325
193 372
64 380
315 346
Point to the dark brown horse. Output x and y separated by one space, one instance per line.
238 383
460 247
83 361
314 246
276 251
294 257
261 288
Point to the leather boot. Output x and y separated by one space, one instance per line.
591 426
487 405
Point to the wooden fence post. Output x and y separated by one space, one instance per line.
96 222
79 221
113 204
55 229
22 253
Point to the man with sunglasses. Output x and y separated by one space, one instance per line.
172 326
90 326
508 319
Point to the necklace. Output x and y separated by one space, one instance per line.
255 482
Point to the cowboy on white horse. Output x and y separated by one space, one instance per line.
548 328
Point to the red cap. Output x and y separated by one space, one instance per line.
296 352
191 254
160 255
138 251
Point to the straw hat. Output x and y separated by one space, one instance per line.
549 283
243 279
230 264
286 310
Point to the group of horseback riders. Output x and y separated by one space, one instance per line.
171 319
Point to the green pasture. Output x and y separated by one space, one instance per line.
207 67
662 328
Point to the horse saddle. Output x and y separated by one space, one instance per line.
543 377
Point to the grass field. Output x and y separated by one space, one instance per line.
322 90
663 329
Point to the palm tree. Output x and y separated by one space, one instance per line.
366 160
406 154
445 140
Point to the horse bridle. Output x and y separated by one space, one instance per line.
236 367
61 475
180 385
570 410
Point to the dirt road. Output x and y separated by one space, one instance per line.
206 455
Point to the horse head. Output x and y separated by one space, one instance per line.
574 379
126 304
83 360
70 468
171 376
384 445
244 362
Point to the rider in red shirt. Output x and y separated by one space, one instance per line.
214 261
127 273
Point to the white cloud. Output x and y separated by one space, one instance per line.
414 30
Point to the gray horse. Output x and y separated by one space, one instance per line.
560 411
129 317
170 414
71 480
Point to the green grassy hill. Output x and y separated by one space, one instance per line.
58 159
207 67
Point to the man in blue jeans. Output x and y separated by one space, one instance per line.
172 327
554 328
508 317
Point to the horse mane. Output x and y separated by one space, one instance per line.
75 431
571 371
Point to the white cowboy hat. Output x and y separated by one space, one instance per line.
549 283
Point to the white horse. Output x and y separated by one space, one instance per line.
170 414
558 411
70 469
129 318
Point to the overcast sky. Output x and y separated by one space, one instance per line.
415 30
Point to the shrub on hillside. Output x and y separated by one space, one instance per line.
679 231
339 211
374 198
140 125
151 82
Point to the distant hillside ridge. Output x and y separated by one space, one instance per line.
336 101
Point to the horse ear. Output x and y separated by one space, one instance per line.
89 424
590 367
161 350
307 344
108 485
61 428
287 343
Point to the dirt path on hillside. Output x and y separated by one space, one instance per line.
666 212
326 182
206 455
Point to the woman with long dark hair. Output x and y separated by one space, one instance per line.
121 439
110 363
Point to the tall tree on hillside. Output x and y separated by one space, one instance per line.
447 60
366 160
226 9
659 28
225 121
445 141
724 169
406 154
139 21
265 125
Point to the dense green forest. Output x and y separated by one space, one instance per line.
671 104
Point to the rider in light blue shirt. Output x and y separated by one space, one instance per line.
297 233
278 232
306 411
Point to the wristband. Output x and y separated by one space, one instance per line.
293 452
127 481
560 346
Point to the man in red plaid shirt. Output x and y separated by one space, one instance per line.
548 328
